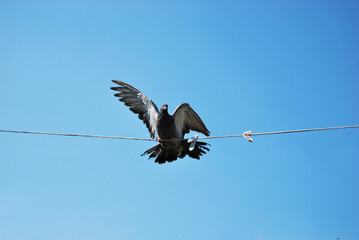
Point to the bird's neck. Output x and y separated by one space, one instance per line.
164 113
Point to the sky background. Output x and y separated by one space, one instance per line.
243 65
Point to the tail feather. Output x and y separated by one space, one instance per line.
168 155
198 151
154 151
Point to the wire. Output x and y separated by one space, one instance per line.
79 135
246 134
282 132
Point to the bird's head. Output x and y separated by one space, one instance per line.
164 108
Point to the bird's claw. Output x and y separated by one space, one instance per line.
160 140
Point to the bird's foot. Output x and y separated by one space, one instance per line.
160 140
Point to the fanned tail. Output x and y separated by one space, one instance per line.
162 155
169 155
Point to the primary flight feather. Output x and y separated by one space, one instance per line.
163 125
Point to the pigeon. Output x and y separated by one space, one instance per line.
168 129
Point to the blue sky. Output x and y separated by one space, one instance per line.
243 65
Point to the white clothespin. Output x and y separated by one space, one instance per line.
193 141
247 135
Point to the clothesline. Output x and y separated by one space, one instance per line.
247 134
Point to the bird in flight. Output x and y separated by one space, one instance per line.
169 129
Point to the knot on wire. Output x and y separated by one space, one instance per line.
248 135
193 141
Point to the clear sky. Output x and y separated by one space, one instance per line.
242 65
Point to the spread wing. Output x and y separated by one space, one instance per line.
139 103
187 119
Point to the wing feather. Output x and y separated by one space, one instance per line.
187 119
139 103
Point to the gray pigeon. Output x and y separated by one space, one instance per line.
167 128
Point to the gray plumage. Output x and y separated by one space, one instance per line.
163 125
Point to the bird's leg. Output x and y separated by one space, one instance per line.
172 140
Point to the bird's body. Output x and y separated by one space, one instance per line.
166 125
170 129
